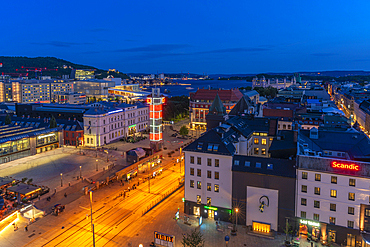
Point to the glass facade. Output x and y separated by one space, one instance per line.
14 150
46 139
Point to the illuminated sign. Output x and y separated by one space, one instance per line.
40 137
164 239
264 201
211 208
345 166
310 223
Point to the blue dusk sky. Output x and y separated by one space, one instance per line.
200 36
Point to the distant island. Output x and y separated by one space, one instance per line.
48 66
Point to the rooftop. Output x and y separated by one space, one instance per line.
210 94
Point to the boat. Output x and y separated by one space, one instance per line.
189 88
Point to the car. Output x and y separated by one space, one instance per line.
174 135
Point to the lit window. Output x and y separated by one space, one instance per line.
192 171
200 145
333 193
304 188
333 207
210 146
209 174
209 187
199 172
209 162
263 141
317 191
256 141
217 162
258 165
199 185
269 166
304 175
191 159
304 201
334 179
215 148
256 151
209 201
199 199
316 204
191 183
303 214
217 175
352 182
199 160
367 212
217 188
317 177
247 163
332 220
351 196
236 162
316 217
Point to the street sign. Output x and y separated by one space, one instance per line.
163 239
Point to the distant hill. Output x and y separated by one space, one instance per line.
47 66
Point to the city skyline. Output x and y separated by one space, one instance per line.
207 37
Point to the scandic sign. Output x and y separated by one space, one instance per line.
345 166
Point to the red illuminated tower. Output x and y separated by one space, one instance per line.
155 101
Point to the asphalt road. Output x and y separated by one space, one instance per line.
112 215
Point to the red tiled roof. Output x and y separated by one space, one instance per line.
210 94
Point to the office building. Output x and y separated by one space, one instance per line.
93 87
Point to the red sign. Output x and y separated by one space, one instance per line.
345 166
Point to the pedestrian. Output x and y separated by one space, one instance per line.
26 228
65 194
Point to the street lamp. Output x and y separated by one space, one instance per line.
91 215
61 180
96 165
141 245
80 173
236 217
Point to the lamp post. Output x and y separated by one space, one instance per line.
96 165
80 173
236 217
61 180
91 215
182 159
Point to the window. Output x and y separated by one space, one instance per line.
255 150
304 175
192 171
191 183
215 148
199 172
217 175
333 193
316 204
350 224
304 201
263 151
199 185
217 188
191 159
247 163
351 210
316 217
304 188
332 220
256 141
209 174
87 139
352 182
210 146
199 199
334 179
66 134
269 166
367 212
333 207
199 160
209 162
263 141
317 191
209 187
200 145
303 214
236 162
258 165
317 177
217 162
351 196
209 201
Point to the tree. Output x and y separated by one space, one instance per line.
194 239
53 122
8 120
24 180
288 230
184 131
29 181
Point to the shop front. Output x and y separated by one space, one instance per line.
47 142
310 229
